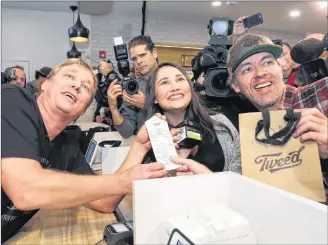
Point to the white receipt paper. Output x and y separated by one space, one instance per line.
161 141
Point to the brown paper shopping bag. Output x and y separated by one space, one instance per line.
270 153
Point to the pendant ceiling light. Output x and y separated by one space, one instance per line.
73 54
78 32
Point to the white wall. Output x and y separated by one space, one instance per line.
161 27
40 37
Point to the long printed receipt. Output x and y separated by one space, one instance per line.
161 141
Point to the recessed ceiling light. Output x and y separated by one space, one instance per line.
231 3
216 4
294 13
323 4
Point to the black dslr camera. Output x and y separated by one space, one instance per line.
103 84
8 75
212 61
131 86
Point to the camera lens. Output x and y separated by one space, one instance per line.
131 86
219 81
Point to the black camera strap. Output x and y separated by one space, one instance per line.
281 137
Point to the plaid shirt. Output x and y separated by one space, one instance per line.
314 95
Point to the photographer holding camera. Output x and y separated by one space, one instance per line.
14 75
104 70
128 117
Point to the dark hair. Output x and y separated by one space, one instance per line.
287 44
43 72
195 111
142 40
18 67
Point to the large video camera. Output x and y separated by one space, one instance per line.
8 75
213 58
307 53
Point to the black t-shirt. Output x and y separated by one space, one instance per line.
23 135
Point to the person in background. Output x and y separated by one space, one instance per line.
40 77
102 114
286 62
170 93
129 117
20 79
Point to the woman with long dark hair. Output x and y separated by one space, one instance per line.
170 93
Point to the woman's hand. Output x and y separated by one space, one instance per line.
189 167
182 152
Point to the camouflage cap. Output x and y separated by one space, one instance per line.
249 45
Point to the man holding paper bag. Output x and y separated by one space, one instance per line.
256 74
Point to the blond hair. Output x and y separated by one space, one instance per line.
79 62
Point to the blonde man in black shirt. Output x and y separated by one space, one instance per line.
34 147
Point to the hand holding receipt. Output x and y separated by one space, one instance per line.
161 142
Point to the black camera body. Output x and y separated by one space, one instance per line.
212 60
131 86
314 70
308 53
318 68
103 84
216 83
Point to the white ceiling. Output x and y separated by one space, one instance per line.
275 13
86 7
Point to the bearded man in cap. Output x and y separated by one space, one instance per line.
255 73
